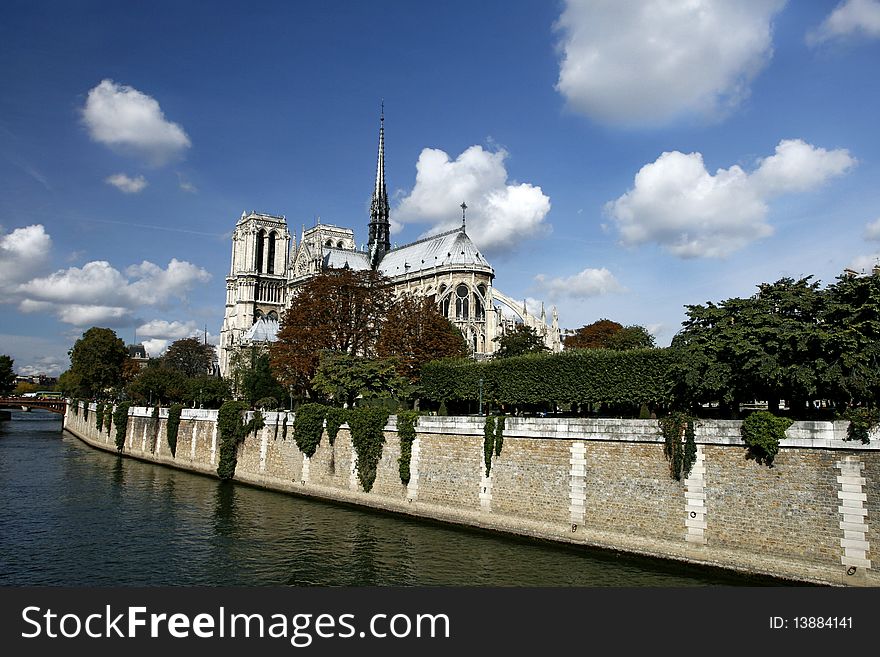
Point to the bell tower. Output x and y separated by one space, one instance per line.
255 286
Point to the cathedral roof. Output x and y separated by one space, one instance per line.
342 258
263 330
450 248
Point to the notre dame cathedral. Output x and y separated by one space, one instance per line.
268 266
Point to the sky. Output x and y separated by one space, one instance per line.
618 160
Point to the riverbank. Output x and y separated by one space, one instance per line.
600 483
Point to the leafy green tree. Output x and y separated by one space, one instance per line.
7 375
345 377
522 340
631 337
96 361
207 391
767 347
158 384
189 356
851 317
258 381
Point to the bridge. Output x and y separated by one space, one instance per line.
27 403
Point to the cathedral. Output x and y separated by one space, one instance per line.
268 266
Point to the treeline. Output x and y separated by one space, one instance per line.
791 341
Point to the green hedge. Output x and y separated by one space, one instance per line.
639 376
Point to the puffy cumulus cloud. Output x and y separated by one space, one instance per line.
23 252
125 184
677 203
155 347
154 285
662 58
160 328
583 285
849 18
797 166
499 215
872 230
129 120
98 293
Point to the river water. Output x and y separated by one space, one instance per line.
76 516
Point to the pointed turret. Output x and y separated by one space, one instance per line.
380 227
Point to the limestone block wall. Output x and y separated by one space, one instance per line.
813 516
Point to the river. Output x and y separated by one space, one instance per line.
76 516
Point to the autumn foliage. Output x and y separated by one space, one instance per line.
341 310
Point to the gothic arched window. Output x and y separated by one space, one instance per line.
273 315
270 261
462 294
258 260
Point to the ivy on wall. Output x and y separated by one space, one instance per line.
761 431
681 454
493 439
74 406
499 434
99 416
232 431
368 436
406 431
488 441
120 419
336 417
284 427
172 426
308 425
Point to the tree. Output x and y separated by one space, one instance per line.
522 340
258 381
207 391
158 384
851 317
189 357
96 362
767 347
345 377
597 335
7 375
341 310
606 334
415 332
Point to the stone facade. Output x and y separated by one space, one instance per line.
602 483
268 267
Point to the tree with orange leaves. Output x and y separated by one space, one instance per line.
341 311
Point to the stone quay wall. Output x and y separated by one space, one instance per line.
603 483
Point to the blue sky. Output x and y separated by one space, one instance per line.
619 160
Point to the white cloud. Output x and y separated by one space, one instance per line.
849 18
865 263
872 230
583 285
126 119
677 203
499 214
659 59
35 355
98 293
23 252
155 347
125 184
160 328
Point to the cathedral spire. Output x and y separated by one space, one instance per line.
380 227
